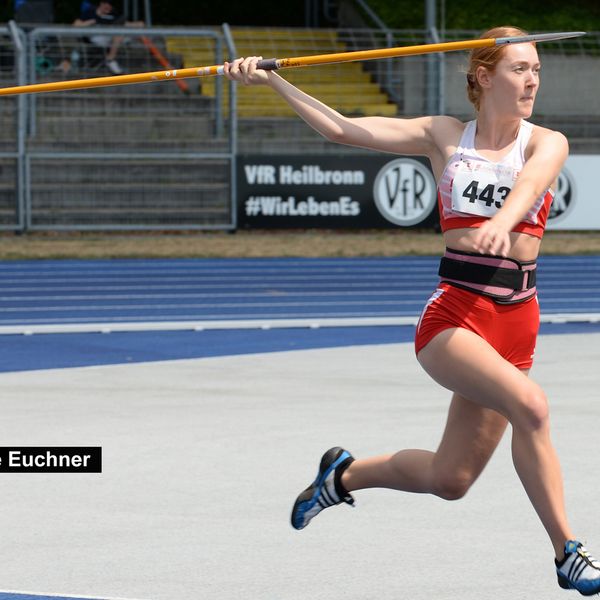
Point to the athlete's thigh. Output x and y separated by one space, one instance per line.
465 363
471 436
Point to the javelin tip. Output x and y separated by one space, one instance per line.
539 37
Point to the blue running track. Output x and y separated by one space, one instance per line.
213 301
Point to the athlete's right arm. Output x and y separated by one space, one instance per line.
420 136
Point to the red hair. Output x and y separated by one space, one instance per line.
488 58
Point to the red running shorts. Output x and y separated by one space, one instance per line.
511 329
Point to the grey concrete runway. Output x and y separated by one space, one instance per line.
203 458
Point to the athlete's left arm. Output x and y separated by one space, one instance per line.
548 151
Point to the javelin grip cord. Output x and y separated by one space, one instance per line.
267 64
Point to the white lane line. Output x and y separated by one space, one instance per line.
103 327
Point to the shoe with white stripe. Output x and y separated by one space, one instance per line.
326 490
578 570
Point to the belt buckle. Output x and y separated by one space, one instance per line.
527 275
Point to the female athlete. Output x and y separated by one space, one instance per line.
476 336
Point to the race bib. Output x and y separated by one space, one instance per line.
480 188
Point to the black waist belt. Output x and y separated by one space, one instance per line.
471 272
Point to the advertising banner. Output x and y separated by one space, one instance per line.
326 191
576 205
379 191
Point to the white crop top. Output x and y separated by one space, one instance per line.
472 188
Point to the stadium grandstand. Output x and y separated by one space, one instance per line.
58 147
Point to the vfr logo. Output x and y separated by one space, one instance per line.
404 192
564 197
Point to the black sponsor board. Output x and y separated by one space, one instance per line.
335 191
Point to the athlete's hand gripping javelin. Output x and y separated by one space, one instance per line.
243 70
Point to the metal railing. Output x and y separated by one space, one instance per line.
233 130
436 78
12 157
149 156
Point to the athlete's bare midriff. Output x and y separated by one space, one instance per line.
523 247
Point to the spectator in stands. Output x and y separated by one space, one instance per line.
105 14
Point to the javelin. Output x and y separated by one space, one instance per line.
272 64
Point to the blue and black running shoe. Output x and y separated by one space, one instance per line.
578 570
326 490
